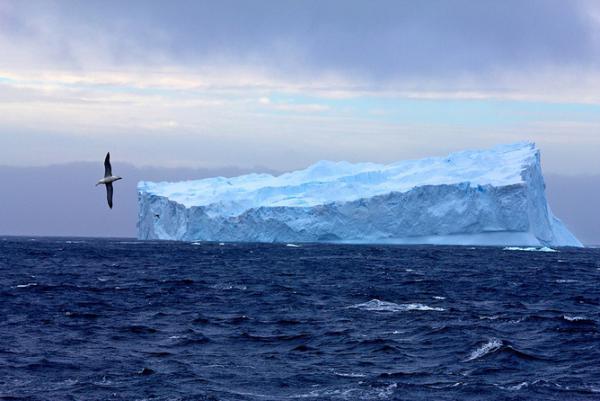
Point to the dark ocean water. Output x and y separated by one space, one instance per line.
126 320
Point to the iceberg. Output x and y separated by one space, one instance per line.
475 197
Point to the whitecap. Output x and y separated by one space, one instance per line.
529 249
341 374
493 317
492 345
221 243
422 307
383 306
70 382
439 298
502 318
566 281
387 391
575 318
292 246
518 386
515 387
322 393
26 285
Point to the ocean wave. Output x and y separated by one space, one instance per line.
529 249
515 387
489 347
302 340
494 345
376 305
305 348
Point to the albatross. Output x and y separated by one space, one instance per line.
108 180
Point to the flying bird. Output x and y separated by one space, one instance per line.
108 180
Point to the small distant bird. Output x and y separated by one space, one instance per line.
108 180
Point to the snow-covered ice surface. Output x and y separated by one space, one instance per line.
485 197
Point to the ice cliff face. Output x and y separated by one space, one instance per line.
488 197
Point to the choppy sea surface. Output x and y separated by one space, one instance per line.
97 319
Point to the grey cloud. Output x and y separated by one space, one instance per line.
376 41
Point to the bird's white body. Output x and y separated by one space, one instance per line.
108 180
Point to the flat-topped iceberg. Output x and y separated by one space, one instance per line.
485 197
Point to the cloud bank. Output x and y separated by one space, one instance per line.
283 83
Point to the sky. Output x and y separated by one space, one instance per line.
281 84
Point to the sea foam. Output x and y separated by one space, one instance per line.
383 306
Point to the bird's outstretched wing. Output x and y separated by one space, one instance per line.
109 194
107 167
